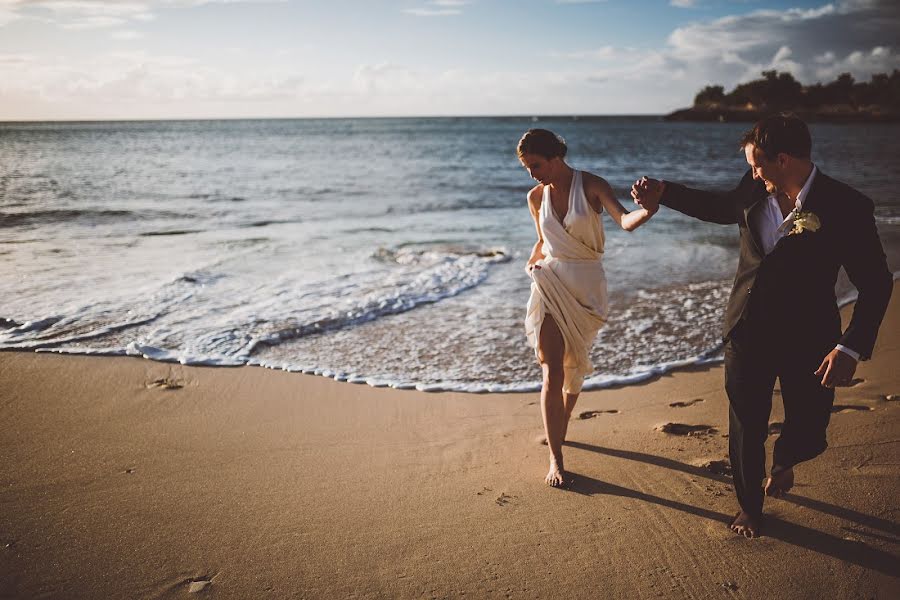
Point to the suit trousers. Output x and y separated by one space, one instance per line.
756 354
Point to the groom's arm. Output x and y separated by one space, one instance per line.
715 207
862 256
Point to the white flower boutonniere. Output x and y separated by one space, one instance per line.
805 220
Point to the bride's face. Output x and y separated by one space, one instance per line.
539 167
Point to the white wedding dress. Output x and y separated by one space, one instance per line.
570 286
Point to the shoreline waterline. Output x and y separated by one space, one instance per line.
711 357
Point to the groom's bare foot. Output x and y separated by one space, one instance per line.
745 525
780 484
556 476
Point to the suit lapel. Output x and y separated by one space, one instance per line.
811 201
757 246
816 191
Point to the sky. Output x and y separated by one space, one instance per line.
159 59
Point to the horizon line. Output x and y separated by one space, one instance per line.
574 116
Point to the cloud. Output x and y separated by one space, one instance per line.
815 44
438 8
126 34
683 3
15 60
790 40
78 14
90 14
137 76
431 12
604 54
861 64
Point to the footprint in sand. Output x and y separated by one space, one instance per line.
848 408
683 429
685 404
165 383
855 381
503 499
718 467
775 427
129 470
590 414
891 397
198 584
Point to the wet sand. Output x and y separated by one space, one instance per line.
126 478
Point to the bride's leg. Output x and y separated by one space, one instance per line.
551 346
569 403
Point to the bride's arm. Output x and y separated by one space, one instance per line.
534 206
600 193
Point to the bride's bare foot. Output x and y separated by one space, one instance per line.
556 475
780 483
745 525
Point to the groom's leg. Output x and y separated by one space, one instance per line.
807 411
749 381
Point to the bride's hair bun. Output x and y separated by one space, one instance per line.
542 142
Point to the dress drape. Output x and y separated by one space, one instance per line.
570 286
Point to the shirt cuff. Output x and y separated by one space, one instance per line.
853 353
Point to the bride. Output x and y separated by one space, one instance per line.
568 303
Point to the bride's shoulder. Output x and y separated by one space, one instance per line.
535 193
594 185
591 179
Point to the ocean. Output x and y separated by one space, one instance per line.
382 251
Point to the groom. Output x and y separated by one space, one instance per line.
797 228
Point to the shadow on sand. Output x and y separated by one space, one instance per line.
850 551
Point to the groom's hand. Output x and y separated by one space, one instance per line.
837 369
647 192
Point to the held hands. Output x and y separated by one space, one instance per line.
837 369
647 192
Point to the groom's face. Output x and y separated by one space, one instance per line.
765 170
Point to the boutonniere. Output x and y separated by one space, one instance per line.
805 220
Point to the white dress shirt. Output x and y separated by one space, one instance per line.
770 226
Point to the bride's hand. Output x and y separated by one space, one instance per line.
647 193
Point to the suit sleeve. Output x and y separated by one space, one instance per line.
714 207
862 256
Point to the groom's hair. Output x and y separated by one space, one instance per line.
785 133
542 142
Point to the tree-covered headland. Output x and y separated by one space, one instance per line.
843 99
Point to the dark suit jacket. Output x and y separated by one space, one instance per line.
793 287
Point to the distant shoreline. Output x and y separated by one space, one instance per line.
843 100
828 114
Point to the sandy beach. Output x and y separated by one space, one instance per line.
126 478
